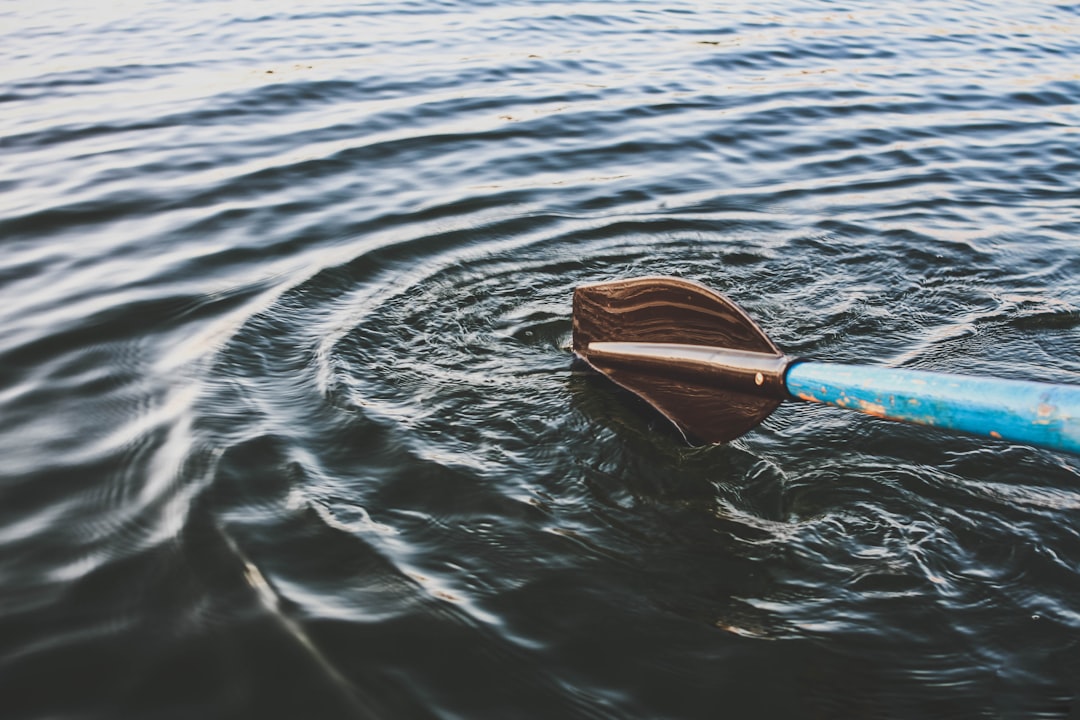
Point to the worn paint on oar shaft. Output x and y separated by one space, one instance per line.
1022 411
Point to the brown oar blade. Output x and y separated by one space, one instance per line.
670 310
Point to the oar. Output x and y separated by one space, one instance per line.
700 360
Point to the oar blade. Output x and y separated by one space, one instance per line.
671 310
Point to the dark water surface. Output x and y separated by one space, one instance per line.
290 427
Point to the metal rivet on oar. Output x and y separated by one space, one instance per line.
699 359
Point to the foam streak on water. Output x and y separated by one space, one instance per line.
288 418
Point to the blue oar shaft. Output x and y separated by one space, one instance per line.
1022 411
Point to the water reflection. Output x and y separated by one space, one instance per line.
291 427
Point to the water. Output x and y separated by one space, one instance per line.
289 423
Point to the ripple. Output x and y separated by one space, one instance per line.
289 417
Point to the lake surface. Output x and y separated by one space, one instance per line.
288 418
